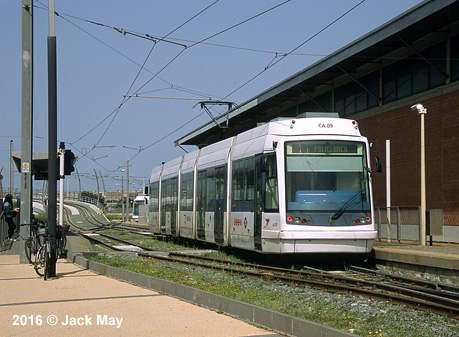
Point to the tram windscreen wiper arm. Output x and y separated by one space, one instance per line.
340 212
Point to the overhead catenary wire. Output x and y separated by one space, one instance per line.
146 59
63 16
165 97
125 99
271 64
205 39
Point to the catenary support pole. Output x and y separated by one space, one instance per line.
122 197
52 138
11 166
127 189
61 182
26 124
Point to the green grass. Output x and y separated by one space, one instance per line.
362 316
113 216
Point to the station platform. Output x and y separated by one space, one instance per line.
79 302
85 299
88 298
439 255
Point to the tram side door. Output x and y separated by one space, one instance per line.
220 203
173 205
200 205
259 197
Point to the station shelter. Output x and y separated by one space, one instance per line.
375 80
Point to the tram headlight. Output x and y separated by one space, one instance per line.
297 220
362 220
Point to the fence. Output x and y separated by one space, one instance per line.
399 223
87 200
3 227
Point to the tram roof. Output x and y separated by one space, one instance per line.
396 39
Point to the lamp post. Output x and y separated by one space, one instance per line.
422 111
122 195
127 189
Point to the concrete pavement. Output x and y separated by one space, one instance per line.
79 302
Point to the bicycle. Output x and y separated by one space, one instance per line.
43 256
61 240
33 242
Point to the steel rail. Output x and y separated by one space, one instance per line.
339 283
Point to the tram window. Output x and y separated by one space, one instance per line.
168 196
238 181
154 194
324 176
174 195
163 202
250 179
244 180
210 189
186 202
201 190
271 188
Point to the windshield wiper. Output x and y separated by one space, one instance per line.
340 212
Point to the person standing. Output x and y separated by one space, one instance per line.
10 213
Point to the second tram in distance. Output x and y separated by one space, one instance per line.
301 185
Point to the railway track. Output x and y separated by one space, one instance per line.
445 303
139 230
415 293
88 217
115 243
440 298
440 289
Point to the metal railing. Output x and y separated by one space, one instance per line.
398 223
3 226
87 200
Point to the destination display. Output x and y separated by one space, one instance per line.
322 148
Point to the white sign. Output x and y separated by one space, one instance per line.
25 167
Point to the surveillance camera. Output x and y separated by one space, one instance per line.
417 107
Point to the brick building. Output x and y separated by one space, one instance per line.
375 80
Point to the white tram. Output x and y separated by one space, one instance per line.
139 202
290 186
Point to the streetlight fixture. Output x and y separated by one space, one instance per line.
422 111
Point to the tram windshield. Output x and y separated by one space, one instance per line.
326 176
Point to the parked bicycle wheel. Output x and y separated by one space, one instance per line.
32 244
28 249
61 241
47 259
39 265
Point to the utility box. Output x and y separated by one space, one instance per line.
434 222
